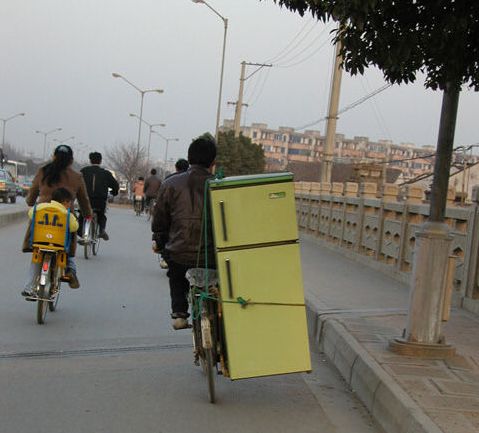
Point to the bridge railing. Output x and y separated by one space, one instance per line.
382 226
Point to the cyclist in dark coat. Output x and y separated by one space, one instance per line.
177 224
98 181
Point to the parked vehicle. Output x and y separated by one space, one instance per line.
26 187
8 188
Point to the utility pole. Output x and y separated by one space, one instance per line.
239 102
327 160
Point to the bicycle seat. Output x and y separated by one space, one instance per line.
198 277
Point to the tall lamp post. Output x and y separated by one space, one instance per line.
142 93
167 140
225 23
64 140
151 126
45 134
4 121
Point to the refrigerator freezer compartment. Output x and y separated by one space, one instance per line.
253 215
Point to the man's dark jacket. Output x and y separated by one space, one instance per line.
98 181
152 186
177 219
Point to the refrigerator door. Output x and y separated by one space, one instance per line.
253 214
268 335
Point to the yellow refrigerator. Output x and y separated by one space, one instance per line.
259 268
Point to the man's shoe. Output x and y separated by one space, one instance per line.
81 241
73 281
27 293
180 323
104 235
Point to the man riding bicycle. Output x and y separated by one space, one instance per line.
151 188
98 181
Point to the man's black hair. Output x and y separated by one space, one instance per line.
181 165
61 195
95 157
202 151
153 171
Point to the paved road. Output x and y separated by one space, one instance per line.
20 200
107 360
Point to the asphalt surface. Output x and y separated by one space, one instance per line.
108 360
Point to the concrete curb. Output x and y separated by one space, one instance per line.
393 409
12 217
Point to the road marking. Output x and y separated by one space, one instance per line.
94 351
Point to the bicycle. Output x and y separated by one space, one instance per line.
150 208
50 243
208 337
138 205
91 239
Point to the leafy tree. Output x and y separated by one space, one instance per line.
404 37
239 155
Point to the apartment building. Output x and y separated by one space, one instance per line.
284 145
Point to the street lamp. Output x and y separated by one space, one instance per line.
167 140
225 22
3 139
151 126
142 93
64 141
45 139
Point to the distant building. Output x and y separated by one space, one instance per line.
285 145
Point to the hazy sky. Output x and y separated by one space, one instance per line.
57 57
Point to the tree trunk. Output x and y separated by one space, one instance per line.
442 164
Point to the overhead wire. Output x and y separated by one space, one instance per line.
260 92
380 118
347 108
289 62
285 51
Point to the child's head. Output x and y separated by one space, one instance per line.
63 196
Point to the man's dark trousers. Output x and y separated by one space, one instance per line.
179 288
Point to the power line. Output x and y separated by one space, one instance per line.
348 107
307 47
260 92
304 59
287 50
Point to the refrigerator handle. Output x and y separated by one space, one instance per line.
223 220
228 274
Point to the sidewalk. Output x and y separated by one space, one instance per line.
354 311
10 213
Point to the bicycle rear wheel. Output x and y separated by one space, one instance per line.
95 246
87 247
54 292
41 304
210 373
208 341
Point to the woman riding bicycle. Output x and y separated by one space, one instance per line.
59 174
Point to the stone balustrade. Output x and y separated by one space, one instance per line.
382 225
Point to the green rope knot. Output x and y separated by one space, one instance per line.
220 173
243 302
